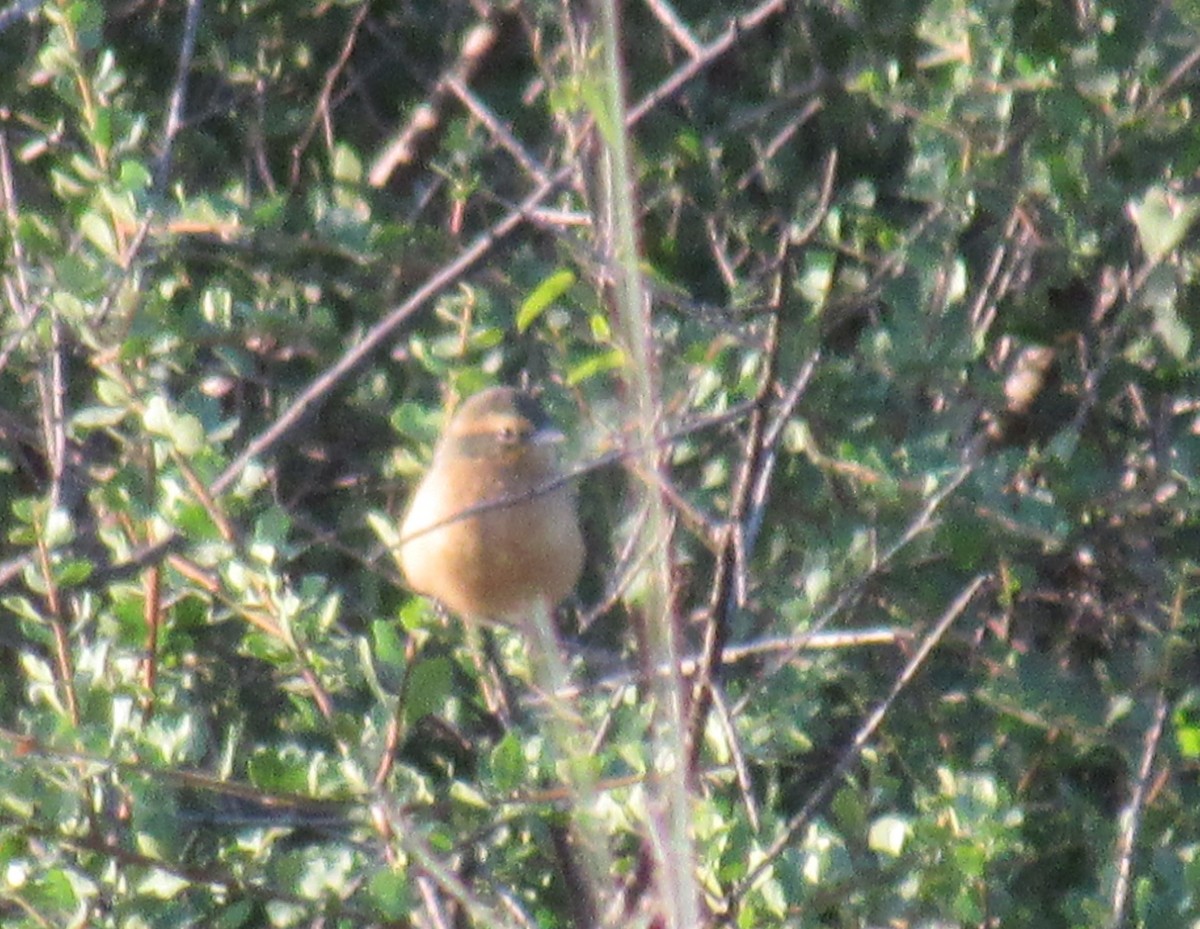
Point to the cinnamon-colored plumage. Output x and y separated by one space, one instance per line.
488 531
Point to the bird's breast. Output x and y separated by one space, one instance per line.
507 548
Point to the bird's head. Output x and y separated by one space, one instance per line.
501 425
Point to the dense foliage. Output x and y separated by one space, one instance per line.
923 280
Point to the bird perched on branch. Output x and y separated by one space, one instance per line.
492 531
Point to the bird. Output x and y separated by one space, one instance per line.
492 530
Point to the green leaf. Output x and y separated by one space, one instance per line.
545 294
59 529
888 835
391 895
273 527
1162 219
273 771
428 687
1172 331
71 573
601 327
97 417
87 16
100 132
818 275
55 889
598 363
185 431
507 764
347 166
385 527
1187 726
1160 293
112 392
388 643
97 230
134 176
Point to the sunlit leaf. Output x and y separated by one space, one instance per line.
543 296
1162 219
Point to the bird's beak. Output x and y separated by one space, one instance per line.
547 436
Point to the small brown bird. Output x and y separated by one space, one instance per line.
516 547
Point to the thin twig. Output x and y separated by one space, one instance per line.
187 49
754 650
152 615
920 524
781 138
675 27
733 744
321 110
438 918
442 874
1131 816
1178 73
727 588
748 22
63 666
864 734
319 389
505 139
425 125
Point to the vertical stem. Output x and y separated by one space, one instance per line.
672 839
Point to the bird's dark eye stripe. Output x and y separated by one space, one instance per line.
499 425
484 443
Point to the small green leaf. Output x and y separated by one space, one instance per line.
273 771
888 834
55 890
184 431
134 176
1188 739
97 417
385 528
817 278
347 167
71 573
1162 219
1172 331
273 527
162 884
507 761
100 132
157 416
389 893
428 688
387 643
22 535
112 393
196 522
98 231
596 364
217 306
601 327
468 795
59 529
548 291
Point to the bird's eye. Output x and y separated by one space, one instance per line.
509 435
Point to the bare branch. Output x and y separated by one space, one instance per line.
864 734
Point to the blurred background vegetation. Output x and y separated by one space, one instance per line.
923 279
